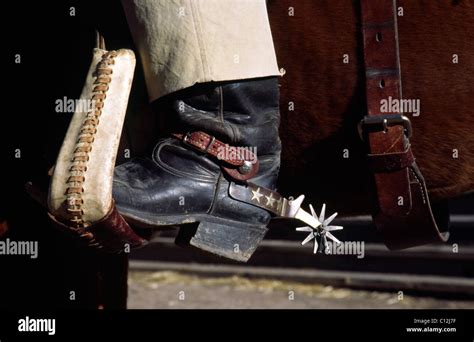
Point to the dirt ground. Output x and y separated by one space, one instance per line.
172 290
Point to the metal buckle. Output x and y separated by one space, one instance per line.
211 142
379 123
186 137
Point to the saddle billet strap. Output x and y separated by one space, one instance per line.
404 214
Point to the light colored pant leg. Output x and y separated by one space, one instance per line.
183 42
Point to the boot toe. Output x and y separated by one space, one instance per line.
122 195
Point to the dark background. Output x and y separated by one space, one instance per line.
56 51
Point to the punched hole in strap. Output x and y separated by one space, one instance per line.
378 37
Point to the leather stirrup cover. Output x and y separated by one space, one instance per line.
80 192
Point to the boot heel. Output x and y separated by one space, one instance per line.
230 239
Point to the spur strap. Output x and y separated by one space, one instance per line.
404 215
239 164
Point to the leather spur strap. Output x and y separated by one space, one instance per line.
404 214
239 164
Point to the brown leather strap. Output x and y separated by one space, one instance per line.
240 166
390 162
404 214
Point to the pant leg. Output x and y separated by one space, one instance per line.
183 42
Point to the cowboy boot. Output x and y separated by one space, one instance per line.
187 177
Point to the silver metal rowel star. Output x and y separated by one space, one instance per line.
322 232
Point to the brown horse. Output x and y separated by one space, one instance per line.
319 44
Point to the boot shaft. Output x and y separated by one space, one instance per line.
242 113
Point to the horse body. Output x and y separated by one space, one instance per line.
319 44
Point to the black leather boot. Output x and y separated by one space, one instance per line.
184 183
